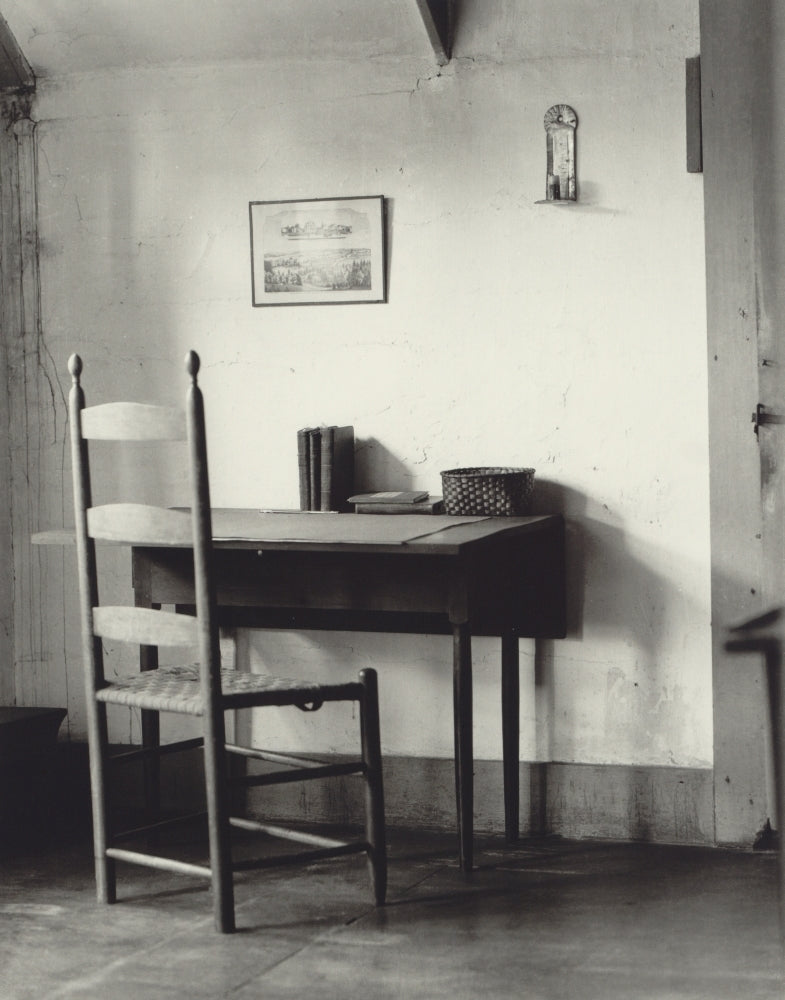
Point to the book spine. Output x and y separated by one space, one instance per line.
304 467
315 466
392 496
326 499
399 508
343 467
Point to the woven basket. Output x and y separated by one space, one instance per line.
487 491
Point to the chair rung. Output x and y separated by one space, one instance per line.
302 857
300 774
159 825
273 756
285 832
153 861
138 752
284 697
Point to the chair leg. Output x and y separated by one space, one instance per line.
374 789
105 880
217 792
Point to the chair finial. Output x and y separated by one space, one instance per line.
75 368
192 364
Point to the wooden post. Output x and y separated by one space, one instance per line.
437 17
693 111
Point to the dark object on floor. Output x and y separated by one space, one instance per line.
27 729
28 772
767 839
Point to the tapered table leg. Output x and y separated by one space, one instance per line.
151 740
464 751
511 733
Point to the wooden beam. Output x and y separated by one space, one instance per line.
693 107
15 71
437 16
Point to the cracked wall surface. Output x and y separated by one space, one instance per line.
33 415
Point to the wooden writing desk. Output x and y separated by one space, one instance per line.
498 576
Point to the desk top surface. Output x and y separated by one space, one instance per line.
371 532
285 530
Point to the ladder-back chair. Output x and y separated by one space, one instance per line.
203 690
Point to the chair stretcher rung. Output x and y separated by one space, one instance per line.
153 861
285 832
253 699
301 857
137 752
273 756
162 824
299 774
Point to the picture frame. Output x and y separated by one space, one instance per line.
318 251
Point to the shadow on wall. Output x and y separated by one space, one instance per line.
612 593
377 468
608 587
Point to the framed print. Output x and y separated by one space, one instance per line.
317 252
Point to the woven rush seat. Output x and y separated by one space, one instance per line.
177 689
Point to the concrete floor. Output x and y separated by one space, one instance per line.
546 919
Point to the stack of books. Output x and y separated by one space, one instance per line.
397 502
325 463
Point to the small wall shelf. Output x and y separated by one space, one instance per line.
557 201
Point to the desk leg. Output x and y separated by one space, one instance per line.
151 740
240 728
151 724
511 733
464 752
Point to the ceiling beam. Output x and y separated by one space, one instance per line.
437 16
15 71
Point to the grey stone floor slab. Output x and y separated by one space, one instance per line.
546 919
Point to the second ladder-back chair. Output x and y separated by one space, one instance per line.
203 690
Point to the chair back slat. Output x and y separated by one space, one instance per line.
145 626
125 421
140 524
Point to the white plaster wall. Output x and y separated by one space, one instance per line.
569 339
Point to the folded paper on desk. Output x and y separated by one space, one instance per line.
234 525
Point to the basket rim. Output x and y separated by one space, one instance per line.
490 470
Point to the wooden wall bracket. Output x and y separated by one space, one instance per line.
437 17
694 116
15 71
